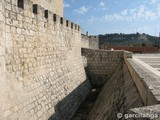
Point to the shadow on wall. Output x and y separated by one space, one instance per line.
66 108
101 65
118 95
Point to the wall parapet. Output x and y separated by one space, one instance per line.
145 83
29 9
40 63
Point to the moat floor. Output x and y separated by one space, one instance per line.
87 105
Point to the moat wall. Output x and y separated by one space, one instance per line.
101 64
122 87
119 93
42 73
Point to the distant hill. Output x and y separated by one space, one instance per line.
129 39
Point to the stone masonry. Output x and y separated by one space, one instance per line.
91 41
56 6
42 74
84 41
42 70
119 93
101 64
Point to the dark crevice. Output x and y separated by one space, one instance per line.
87 105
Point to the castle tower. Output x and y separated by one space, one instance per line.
55 6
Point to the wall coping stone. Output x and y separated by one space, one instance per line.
149 80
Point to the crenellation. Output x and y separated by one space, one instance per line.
20 4
61 20
76 28
35 8
69 24
46 14
40 57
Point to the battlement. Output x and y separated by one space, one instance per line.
94 36
55 6
40 61
27 8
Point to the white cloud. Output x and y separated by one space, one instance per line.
66 5
154 1
102 4
140 13
112 17
124 12
135 14
91 19
158 9
82 10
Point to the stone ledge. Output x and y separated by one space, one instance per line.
128 54
149 80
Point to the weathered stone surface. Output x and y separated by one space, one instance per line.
42 73
151 112
146 82
101 64
55 6
119 92
91 41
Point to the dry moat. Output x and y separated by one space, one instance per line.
49 71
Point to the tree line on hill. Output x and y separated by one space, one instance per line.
136 39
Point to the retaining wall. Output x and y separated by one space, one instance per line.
101 64
119 93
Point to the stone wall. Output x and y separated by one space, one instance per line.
42 74
101 64
119 93
84 41
91 42
55 6
3 83
94 42
145 83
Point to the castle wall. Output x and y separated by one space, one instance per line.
2 57
55 6
94 42
101 64
42 73
91 42
84 41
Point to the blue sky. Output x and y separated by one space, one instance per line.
114 16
